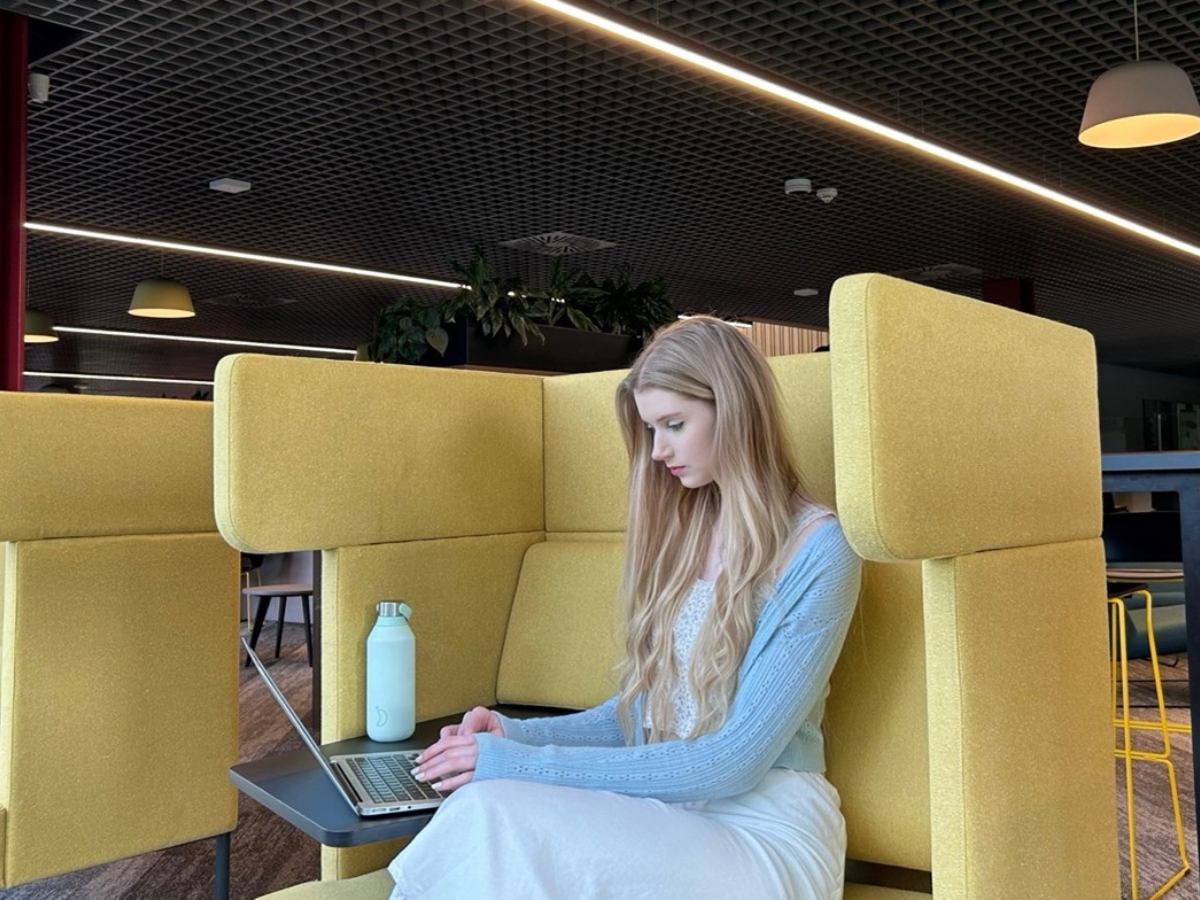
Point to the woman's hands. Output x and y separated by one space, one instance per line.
450 762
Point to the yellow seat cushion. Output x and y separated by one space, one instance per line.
564 633
372 886
377 886
868 892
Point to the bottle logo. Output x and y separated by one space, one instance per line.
380 717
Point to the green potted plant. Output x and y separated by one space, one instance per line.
406 330
490 322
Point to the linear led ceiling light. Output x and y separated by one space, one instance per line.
261 345
862 123
729 322
237 254
80 375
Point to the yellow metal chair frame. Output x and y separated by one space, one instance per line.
246 587
1123 721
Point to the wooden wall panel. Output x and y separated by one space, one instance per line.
784 340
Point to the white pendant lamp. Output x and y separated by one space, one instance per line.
1140 104
39 328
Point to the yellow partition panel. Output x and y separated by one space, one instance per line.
119 676
1021 767
315 454
89 466
959 425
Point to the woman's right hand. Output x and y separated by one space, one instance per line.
476 721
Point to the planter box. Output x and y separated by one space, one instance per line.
565 350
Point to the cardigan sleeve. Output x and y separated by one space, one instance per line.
780 687
595 727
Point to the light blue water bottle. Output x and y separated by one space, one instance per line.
391 674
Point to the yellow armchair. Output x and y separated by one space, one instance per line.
959 443
118 668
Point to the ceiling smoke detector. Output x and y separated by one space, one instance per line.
827 195
797 186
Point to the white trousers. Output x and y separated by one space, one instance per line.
512 840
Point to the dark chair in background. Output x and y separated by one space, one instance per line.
1145 550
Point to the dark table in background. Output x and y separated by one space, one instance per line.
1177 471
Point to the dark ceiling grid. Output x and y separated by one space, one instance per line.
971 78
399 136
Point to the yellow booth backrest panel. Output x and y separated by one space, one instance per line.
876 747
808 418
89 466
565 632
316 454
460 591
982 482
70 718
586 463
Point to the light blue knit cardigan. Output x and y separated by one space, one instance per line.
773 721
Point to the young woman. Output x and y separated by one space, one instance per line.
702 777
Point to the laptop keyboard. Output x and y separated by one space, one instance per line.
386 779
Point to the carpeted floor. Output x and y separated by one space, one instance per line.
268 854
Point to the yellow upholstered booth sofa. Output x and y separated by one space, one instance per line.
118 666
959 442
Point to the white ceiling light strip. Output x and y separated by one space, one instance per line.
730 322
261 345
237 254
797 98
80 375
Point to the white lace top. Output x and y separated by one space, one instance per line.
691 616
687 626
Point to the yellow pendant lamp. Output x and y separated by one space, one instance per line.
39 328
161 298
1140 104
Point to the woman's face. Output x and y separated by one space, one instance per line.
682 431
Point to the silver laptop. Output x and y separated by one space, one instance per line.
374 784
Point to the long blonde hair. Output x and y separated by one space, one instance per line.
670 525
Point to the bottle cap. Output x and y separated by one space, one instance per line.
389 608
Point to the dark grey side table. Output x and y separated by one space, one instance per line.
291 785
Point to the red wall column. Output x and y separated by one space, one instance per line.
14 81
1015 293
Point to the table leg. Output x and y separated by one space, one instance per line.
221 868
307 628
279 630
316 672
260 616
